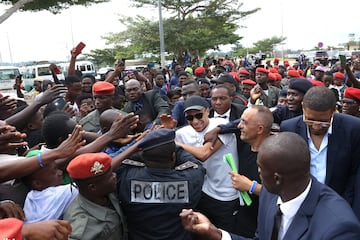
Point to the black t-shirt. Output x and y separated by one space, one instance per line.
246 218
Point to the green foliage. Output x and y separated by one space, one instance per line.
54 6
266 46
194 26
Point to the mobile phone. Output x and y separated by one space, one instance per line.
80 47
57 70
342 59
60 103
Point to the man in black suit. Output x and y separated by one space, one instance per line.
333 140
222 105
149 105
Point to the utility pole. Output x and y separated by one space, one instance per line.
161 35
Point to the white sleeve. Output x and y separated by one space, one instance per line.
225 235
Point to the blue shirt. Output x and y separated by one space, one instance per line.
318 157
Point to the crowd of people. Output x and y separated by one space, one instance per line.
218 150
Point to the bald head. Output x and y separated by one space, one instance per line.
107 118
284 165
287 152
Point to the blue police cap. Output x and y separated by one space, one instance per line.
300 84
157 138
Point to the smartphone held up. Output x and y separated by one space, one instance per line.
79 47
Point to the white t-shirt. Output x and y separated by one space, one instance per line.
48 204
217 181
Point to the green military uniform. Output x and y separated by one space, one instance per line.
271 99
91 122
92 221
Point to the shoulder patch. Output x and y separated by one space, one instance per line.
133 163
186 165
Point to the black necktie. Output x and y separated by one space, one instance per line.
277 224
138 107
221 116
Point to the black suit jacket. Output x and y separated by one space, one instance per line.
235 112
343 153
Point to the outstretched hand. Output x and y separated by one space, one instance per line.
199 224
123 125
54 92
167 121
53 229
10 139
72 143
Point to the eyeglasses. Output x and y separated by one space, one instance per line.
311 123
197 116
348 102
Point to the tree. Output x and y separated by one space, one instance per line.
193 27
54 6
266 46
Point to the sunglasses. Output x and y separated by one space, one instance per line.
311 123
197 116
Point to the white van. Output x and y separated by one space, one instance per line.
38 71
86 67
7 77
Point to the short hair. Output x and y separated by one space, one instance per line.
90 76
265 116
84 96
188 82
222 86
319 99
55 128
69 80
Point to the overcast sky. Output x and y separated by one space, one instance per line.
42 35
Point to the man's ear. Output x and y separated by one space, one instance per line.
277 178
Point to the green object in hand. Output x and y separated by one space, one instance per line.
245 196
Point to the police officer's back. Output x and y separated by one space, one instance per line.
153 192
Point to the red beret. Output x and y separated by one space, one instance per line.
317 83
243 71
11 228
103 88
276 60
199 70
272 77
260 69
273 70
353 93
278 76
339 75
235 75
249 82
89 165
293 73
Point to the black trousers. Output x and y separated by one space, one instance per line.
221 213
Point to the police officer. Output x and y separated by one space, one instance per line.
153 192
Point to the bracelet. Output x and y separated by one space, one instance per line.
39 159
253 187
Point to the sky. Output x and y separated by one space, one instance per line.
40 36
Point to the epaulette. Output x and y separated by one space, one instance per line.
186 165
133 163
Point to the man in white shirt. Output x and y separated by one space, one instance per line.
293 205
219 199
